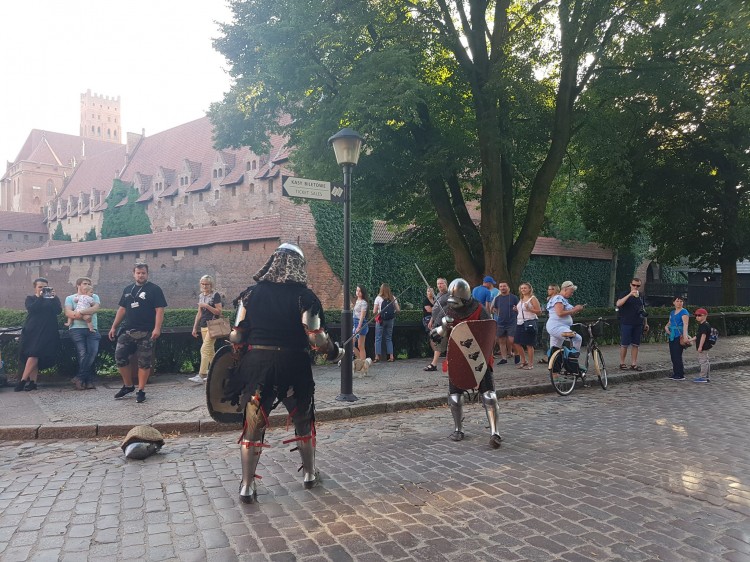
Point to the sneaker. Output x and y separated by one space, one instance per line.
502 362
701 379
31 385
677 378
495 441
20 385
124 390
140 396
197 378
456 436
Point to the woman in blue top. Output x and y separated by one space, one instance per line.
677 328
561 316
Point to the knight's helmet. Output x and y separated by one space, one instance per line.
459 293
291 248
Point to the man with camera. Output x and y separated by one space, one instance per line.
631 310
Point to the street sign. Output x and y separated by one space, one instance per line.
312 189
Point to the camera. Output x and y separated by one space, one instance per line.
642 313
47 292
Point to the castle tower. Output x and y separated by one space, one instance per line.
100 117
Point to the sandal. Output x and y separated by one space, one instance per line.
636 368
528 367
430 367
623 366
522 366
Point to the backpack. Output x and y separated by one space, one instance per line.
387 310
713 336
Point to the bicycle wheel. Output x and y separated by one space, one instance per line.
600 367
562 381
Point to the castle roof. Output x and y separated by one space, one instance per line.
96 172
22 222
259 229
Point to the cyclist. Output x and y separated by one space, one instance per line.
561 316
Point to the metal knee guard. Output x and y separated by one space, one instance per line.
456 402
489 400
251 444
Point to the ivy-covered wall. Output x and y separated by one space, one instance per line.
591 277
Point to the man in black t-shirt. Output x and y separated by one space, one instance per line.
633 322
142 306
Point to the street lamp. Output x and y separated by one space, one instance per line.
346 145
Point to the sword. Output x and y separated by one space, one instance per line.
437 300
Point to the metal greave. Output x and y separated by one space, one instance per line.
489 400
250 450
456 402
306 448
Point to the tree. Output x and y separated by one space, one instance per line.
447 93
674 155
90 235
123 216
60 235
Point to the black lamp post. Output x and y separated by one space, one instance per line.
346 145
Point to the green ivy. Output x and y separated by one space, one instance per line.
591 277
329 228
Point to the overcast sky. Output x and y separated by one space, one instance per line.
156 55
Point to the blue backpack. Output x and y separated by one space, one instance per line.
387 310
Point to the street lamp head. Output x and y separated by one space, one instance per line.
346 145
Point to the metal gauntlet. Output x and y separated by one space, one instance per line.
319 340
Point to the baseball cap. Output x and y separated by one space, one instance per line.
567 284
701 312
489 279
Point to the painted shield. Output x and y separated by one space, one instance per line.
222 368
470 346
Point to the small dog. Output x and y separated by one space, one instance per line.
362 365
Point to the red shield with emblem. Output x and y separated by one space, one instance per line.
470 346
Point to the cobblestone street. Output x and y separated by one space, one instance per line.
649 470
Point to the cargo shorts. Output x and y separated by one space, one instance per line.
134 341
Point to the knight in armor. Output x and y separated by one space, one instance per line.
278 320
462 307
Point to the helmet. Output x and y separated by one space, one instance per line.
459 293
290 248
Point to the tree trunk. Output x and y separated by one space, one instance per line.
613 278
728 280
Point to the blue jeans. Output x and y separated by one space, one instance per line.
384 330
675 353
87 346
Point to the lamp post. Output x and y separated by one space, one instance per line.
346 145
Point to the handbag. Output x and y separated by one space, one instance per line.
529 326
218 328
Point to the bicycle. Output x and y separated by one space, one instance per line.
564 368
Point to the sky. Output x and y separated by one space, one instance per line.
157 55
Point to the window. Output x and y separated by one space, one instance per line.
155 254
195 251
171 201
10 236
122 257
174 253
216 194
50 188
41 238
234 191
247 166
185 200
106 258
200 197
221 172
270 185
254 162
26 237
158 204
215 174
246 246
252 188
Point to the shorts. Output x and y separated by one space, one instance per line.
134 341
630 335
363 332
504 330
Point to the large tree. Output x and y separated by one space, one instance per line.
670 149
460 101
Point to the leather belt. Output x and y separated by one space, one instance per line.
275 348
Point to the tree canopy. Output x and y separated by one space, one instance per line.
462 103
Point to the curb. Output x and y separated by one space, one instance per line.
209 426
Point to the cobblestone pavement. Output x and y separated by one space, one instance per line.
652 470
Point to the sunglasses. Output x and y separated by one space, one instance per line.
634 285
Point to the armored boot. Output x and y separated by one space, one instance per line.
489 400
310 474
456 402
251 445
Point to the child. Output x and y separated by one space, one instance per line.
83 302
702 344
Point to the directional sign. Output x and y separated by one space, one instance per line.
312 189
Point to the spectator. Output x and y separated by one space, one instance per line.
360 327
209 308
631 311
40 339
84 335
525 338
441 301
386 307
142 305
677 328
427 304
483 293
561 316
505 308
702 345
